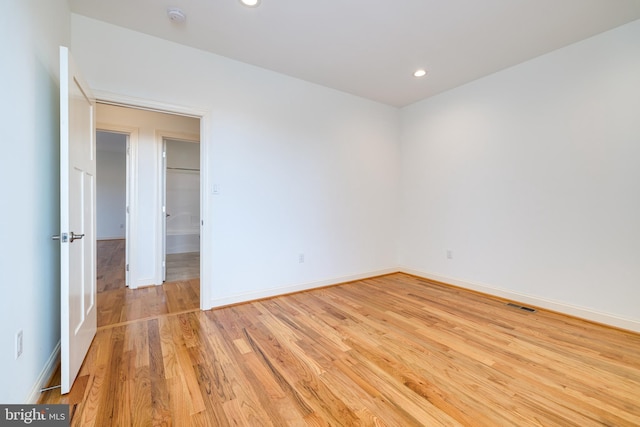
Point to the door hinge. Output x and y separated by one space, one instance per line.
127 209
164 154
126 267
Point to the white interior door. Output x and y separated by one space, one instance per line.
77 219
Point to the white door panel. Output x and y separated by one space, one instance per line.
77 220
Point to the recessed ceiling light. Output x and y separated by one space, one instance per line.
250 3
420 73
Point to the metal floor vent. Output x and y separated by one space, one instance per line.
521 307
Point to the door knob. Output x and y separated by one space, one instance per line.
64 237
75 236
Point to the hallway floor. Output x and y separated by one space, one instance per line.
118 304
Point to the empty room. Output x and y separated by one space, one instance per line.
403 213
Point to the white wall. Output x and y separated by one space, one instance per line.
111 189
30 34
300 168
531 177
145 260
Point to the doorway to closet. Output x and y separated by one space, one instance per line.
182 209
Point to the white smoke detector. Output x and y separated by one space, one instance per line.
176 15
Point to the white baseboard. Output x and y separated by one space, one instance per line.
45 375
272 292
581 312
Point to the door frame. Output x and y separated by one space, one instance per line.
205 123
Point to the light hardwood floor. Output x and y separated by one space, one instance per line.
183 266
388 351
123 305
118 304
110 264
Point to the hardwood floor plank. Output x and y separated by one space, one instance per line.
141 403
160 396
279 408
110 265
184 367
274 371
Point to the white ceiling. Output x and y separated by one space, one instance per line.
370 48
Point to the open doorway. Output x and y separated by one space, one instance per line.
145 135
111 207
182 209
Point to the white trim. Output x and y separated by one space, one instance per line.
147 104
571 310
206 229
274 292
44 377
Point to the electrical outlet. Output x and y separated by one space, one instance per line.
19 336
301 258
449 254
